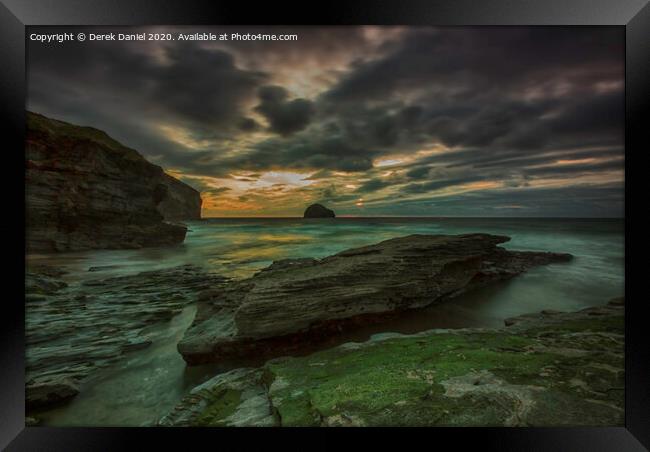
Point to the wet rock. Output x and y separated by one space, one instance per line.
46 392
47 270
42 284
31 421
31 297
100 268
209 294
73 332
565 369
236 398
620 301
136 345
298 300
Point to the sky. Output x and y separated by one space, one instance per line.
370 121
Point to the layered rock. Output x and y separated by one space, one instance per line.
293 301
85 190
549 369
73 329
318 211
179 202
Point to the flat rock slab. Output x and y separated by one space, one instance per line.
296 300
559 369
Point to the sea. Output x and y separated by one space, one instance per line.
148 383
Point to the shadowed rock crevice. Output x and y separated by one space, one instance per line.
548 369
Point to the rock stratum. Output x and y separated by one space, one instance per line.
85 190
295 301
318 211
547 369
73 328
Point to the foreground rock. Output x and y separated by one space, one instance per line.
86 190
74 329
318 211
298 300
554 369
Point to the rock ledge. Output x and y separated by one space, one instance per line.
298 300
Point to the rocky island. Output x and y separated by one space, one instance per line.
318 211
294 301
84 190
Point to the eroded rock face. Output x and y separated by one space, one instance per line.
554 369
84 190
75 329
180 201
292 301
318 211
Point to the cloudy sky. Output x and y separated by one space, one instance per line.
371 121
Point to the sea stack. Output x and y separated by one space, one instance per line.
318 211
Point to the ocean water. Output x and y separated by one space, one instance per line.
147 384
240 247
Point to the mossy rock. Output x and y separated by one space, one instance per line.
565 369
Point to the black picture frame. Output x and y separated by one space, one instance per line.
15 15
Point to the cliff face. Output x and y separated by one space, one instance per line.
85 190
180 201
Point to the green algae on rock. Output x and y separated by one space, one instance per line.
549 369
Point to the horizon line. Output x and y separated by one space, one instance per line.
413 216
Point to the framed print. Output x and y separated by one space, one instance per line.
391 217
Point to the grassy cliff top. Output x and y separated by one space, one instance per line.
53 127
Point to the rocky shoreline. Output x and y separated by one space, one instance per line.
74 330
523 374
546 369
294 301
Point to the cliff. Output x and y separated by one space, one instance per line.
84 190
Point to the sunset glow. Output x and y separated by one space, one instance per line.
383 120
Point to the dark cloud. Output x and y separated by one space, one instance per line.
452 63
373 185
248 125
439 184
507 104
310 151
186 82
578 168
216 190
202 85
285 117
576 201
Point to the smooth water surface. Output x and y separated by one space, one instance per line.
148 383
